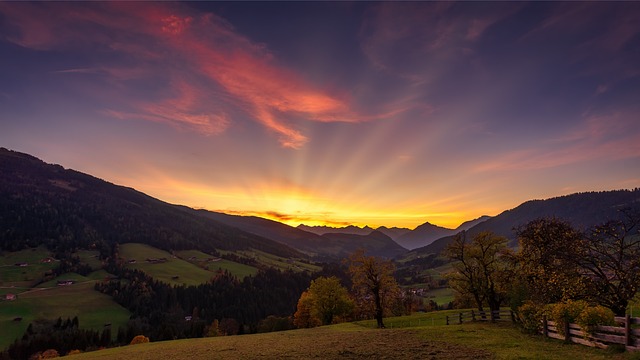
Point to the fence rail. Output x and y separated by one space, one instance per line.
502 315
599 336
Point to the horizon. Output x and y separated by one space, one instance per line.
336 114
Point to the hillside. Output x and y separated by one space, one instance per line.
64 209
331 246
422 336
423 235
376 243
582 210
322 229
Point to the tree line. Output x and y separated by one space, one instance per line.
554 263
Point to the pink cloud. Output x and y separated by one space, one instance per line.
220 69
600 138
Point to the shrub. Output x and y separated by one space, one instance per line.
74 351
530 317
139 339
564 312
50 354
593 316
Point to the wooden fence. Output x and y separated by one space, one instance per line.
601 336
473 315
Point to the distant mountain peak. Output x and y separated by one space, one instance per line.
323 229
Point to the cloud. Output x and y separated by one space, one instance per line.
199 61
291 219
607 137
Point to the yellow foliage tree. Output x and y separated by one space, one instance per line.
139 339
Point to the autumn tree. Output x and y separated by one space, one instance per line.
482 268
609 258
548 248
325 300
373 283
304 317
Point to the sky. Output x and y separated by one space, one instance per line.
335 113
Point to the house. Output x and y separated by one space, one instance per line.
46 260
132 261
10 297
22 264
65 282
188 318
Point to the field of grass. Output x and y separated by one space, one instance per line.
93 308
238 270
354 341
270 260
441 296
186 272
90 257
12 275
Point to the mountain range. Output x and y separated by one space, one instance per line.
47 204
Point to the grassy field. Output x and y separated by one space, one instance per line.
19 276
186 272
93 308
355 341
90 257
238 270
277 262
441 296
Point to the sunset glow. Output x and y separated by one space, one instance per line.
337 113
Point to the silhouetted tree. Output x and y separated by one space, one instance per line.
373 283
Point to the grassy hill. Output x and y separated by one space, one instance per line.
93 308
425 339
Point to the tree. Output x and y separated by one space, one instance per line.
304 317
482 268
610 260
331 299
373 283
548 248
325 300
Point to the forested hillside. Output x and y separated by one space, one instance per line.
65 210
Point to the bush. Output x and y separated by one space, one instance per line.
74 351
530 317
564 312
50 354
593 316
139 339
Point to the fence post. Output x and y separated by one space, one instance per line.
473 315
567 330
492 315
545 326
460 318
627 330
513 316
447 319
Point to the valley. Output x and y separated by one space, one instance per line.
125 263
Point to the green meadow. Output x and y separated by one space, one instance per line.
92 308
200 259
24 276
426 338
274 261
174 271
